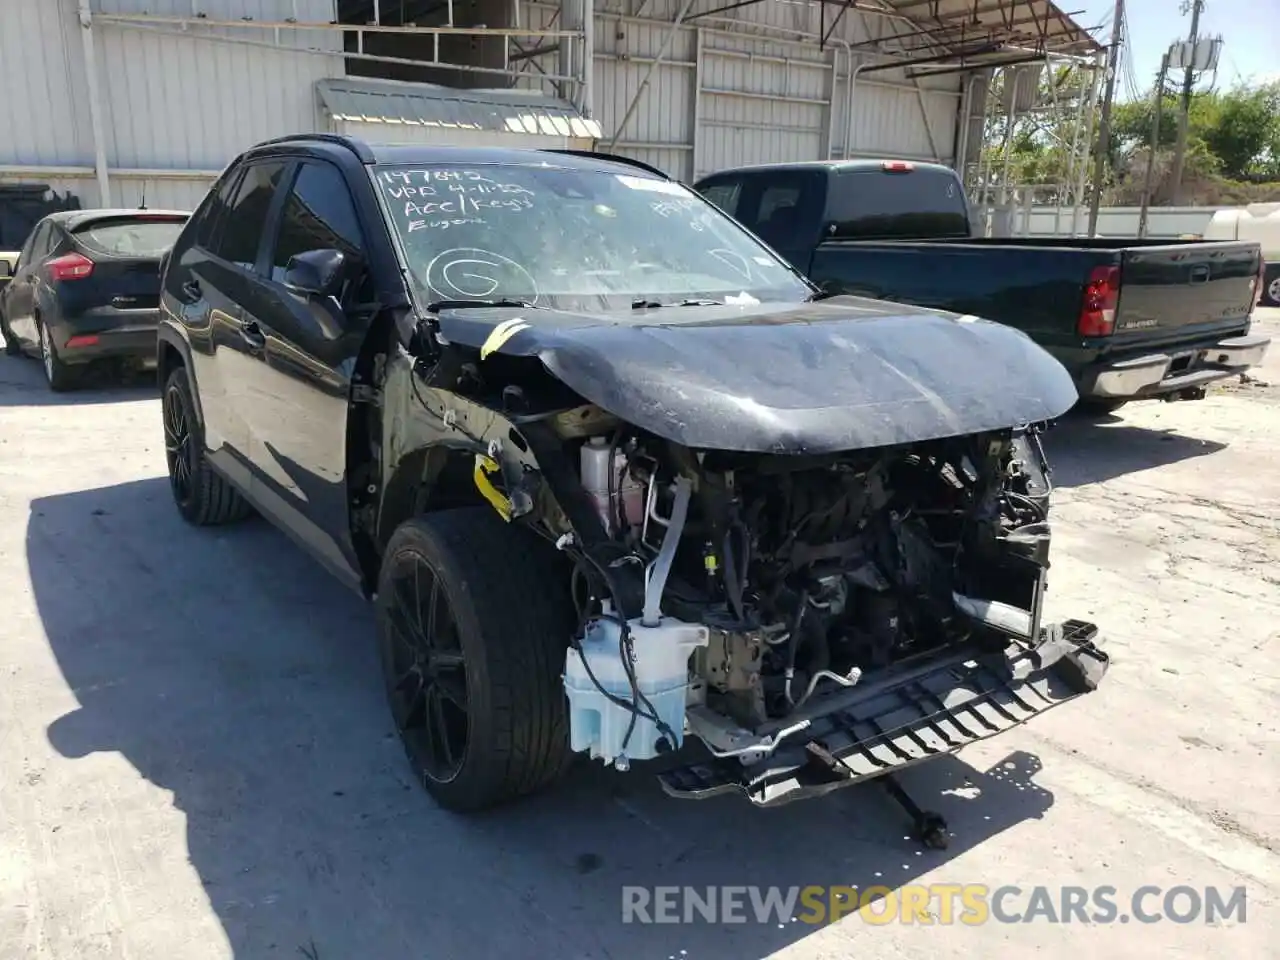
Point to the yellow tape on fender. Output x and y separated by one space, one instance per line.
484 467
501 334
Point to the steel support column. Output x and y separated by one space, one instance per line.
95 105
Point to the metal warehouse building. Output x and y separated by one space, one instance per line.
114 101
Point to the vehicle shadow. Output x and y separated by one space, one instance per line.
22 384
1083 449
225 667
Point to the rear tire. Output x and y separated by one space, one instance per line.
203 497
1271 286
59 375
474 619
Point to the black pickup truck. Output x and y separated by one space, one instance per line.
1128 318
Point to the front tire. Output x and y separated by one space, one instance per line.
474 619
203 497
11 346
57 374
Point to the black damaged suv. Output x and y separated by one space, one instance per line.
613 473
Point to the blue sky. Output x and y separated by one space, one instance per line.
1250 30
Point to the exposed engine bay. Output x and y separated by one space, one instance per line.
822 577
773 583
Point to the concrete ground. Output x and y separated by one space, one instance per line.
196 762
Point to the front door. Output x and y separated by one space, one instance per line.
20 294
301 390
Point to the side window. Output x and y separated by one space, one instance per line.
31 250
724 195
210 216
776 214
54 241
246 217
775 201
319 214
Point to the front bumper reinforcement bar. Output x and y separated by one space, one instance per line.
888 724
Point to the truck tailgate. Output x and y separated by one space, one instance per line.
1177 288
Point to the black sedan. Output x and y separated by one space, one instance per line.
86 287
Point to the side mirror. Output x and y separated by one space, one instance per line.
315 272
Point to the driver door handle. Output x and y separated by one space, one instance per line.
252 333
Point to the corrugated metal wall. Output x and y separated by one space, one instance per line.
44 119
720 98
171 100
192 102
177 99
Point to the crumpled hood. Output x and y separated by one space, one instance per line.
837 374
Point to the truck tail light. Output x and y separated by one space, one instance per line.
1261 285
71 266
1101 294
898 166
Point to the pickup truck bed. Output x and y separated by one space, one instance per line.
1128 318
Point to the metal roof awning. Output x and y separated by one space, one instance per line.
1039 25
430 105
950 35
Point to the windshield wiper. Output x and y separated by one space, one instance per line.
435 306
655 304
820 295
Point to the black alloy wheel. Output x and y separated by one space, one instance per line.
179 448
474 618
427 679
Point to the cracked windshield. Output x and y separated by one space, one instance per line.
551 236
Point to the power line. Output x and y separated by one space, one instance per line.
1188 82
1104 129
1155 145
1133 89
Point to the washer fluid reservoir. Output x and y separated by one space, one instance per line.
597 725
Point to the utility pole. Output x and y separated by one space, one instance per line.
1188 81
1155 144
1104 126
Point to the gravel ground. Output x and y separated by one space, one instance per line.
195 759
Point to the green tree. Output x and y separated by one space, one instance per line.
1243 131
1235 133
1232 135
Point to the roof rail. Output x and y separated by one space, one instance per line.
613 157
358 147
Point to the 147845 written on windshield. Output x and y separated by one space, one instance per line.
443 198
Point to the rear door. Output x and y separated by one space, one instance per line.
299 393
206 283
236 338
1178 291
